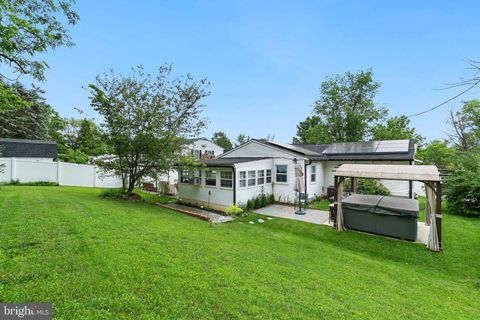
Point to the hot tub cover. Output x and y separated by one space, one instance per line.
382 205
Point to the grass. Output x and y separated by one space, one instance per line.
320 204
95 258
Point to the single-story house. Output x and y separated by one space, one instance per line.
37 150
269 167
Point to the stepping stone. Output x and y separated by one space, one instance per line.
261 220
269 218
251 222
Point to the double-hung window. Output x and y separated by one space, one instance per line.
313 173
251 178
281 175
260 176
226 179
211 178
269 176
185 176
197 177
243 179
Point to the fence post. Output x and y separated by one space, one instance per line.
59 173
13 172
94 176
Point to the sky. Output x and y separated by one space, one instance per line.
265 60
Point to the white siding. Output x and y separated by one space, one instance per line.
217 197
246 193
204 145
317 188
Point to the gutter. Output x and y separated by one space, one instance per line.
309 163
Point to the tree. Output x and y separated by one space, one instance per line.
147 119
436 152
29 28
396 128
241 139
222 140
465 126
9 99
345 111
30 121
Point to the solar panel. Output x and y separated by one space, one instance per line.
393 146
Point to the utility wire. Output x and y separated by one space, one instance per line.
447 101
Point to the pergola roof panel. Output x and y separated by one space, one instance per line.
389 172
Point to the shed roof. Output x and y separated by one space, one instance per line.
229 162
25 148
389 172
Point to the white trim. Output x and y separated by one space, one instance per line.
293 154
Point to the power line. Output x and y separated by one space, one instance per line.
447 101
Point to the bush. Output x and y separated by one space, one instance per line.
462 186
35 183
250 204
258 202
112 193
369 186
271 199
264 200
234 210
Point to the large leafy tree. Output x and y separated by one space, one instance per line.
241 139
345 111
221 139
30 121
29 28
465 126
147 119
436 152
396 128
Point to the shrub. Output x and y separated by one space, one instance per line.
271 199
264 200
250 204
258 202
112 193
462 186
369 186
16 182
234 210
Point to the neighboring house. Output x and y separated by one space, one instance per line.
37 150
201 148
258 166
205 149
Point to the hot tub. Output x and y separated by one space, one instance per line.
388 216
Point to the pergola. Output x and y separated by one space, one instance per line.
429 175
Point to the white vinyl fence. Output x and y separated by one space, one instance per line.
63 173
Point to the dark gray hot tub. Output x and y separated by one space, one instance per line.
389 216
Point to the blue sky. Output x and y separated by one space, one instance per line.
266 59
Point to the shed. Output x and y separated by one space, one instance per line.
429 175
26 148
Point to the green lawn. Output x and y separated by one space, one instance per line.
109 259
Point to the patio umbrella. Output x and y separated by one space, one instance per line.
299 180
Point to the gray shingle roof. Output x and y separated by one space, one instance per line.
25 148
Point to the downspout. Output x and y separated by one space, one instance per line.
309 163
234 185
410 185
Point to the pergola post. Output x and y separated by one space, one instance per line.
438 214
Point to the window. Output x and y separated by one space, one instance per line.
313 173
243 179
226 179
260 176
251 178
211 178
198 153
281 173
185 176
210 152
269 176
197 177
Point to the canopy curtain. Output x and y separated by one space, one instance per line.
430 214
339 190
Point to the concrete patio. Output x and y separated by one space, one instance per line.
321 217
288 212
